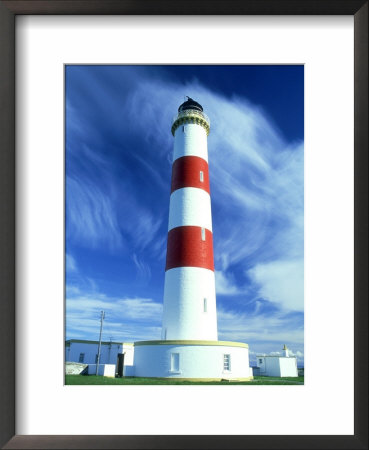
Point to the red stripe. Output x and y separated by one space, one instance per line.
186 173
187 249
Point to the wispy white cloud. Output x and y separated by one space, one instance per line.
139 309
91 215
141 226
71 290
125 318
100 217
143 269
269 328
281 282
299 355
224 285
105 207
70 263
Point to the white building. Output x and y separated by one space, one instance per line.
276 365
111 354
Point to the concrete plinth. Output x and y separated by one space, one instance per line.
191 359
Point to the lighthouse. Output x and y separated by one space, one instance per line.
189 346
189 310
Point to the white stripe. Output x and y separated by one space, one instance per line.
190 206
183 315
192 142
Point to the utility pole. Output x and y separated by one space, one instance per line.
99 350
109 349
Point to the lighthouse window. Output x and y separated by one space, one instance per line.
205 305
174 362
203 234
227 362
183 128
201 176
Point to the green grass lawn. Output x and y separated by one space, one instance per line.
92 379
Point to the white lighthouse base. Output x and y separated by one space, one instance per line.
196 360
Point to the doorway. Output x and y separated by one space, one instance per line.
120 365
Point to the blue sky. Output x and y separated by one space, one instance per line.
118 172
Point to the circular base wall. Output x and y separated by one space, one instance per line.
192 359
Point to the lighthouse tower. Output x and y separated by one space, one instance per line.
189 346
189 289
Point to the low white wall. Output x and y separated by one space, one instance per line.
277 366
288 367
106 370
195 361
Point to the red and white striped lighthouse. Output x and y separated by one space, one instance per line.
189 292
189 346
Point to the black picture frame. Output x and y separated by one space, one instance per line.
8 11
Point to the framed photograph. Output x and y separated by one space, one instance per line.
218 295
59 56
